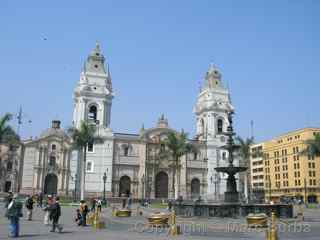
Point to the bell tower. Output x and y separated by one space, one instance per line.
93 94
92 104
213 104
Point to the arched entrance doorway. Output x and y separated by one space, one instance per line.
124 186
161 185
51 184
195 188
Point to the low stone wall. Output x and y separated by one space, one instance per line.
232 210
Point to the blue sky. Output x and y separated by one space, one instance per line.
158 51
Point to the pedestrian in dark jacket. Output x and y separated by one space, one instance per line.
29 206
93 205
54 215
170 205
13 213
84 211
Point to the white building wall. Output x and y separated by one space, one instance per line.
30 161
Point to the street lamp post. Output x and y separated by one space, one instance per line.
305 191
216 180
104 186
75 187
142 181
269 188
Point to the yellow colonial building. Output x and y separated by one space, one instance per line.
288 174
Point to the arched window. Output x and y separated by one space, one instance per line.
92 115
9 166
53 147
124 186
224 155
220 126
162 147
195 188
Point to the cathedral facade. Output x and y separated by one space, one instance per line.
131 162
124 163
46 162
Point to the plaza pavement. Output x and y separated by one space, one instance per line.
134 228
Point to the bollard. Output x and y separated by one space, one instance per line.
96 219
97 222
114 211
272 234
174 229
300 213
138 211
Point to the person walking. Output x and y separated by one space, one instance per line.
93 205
46 209
55 213
99 205
29 207
84 211
169 205
13 213
40 199
129 201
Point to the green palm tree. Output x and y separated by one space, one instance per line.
177 145
7 134
244 152
313 146
82 137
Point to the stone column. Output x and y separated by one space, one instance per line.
183 174
38 172
171 193
43 168
142 167
153 194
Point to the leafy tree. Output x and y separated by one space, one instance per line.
82 137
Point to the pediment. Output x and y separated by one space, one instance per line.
156 135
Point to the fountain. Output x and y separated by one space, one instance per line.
231 195
231 206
